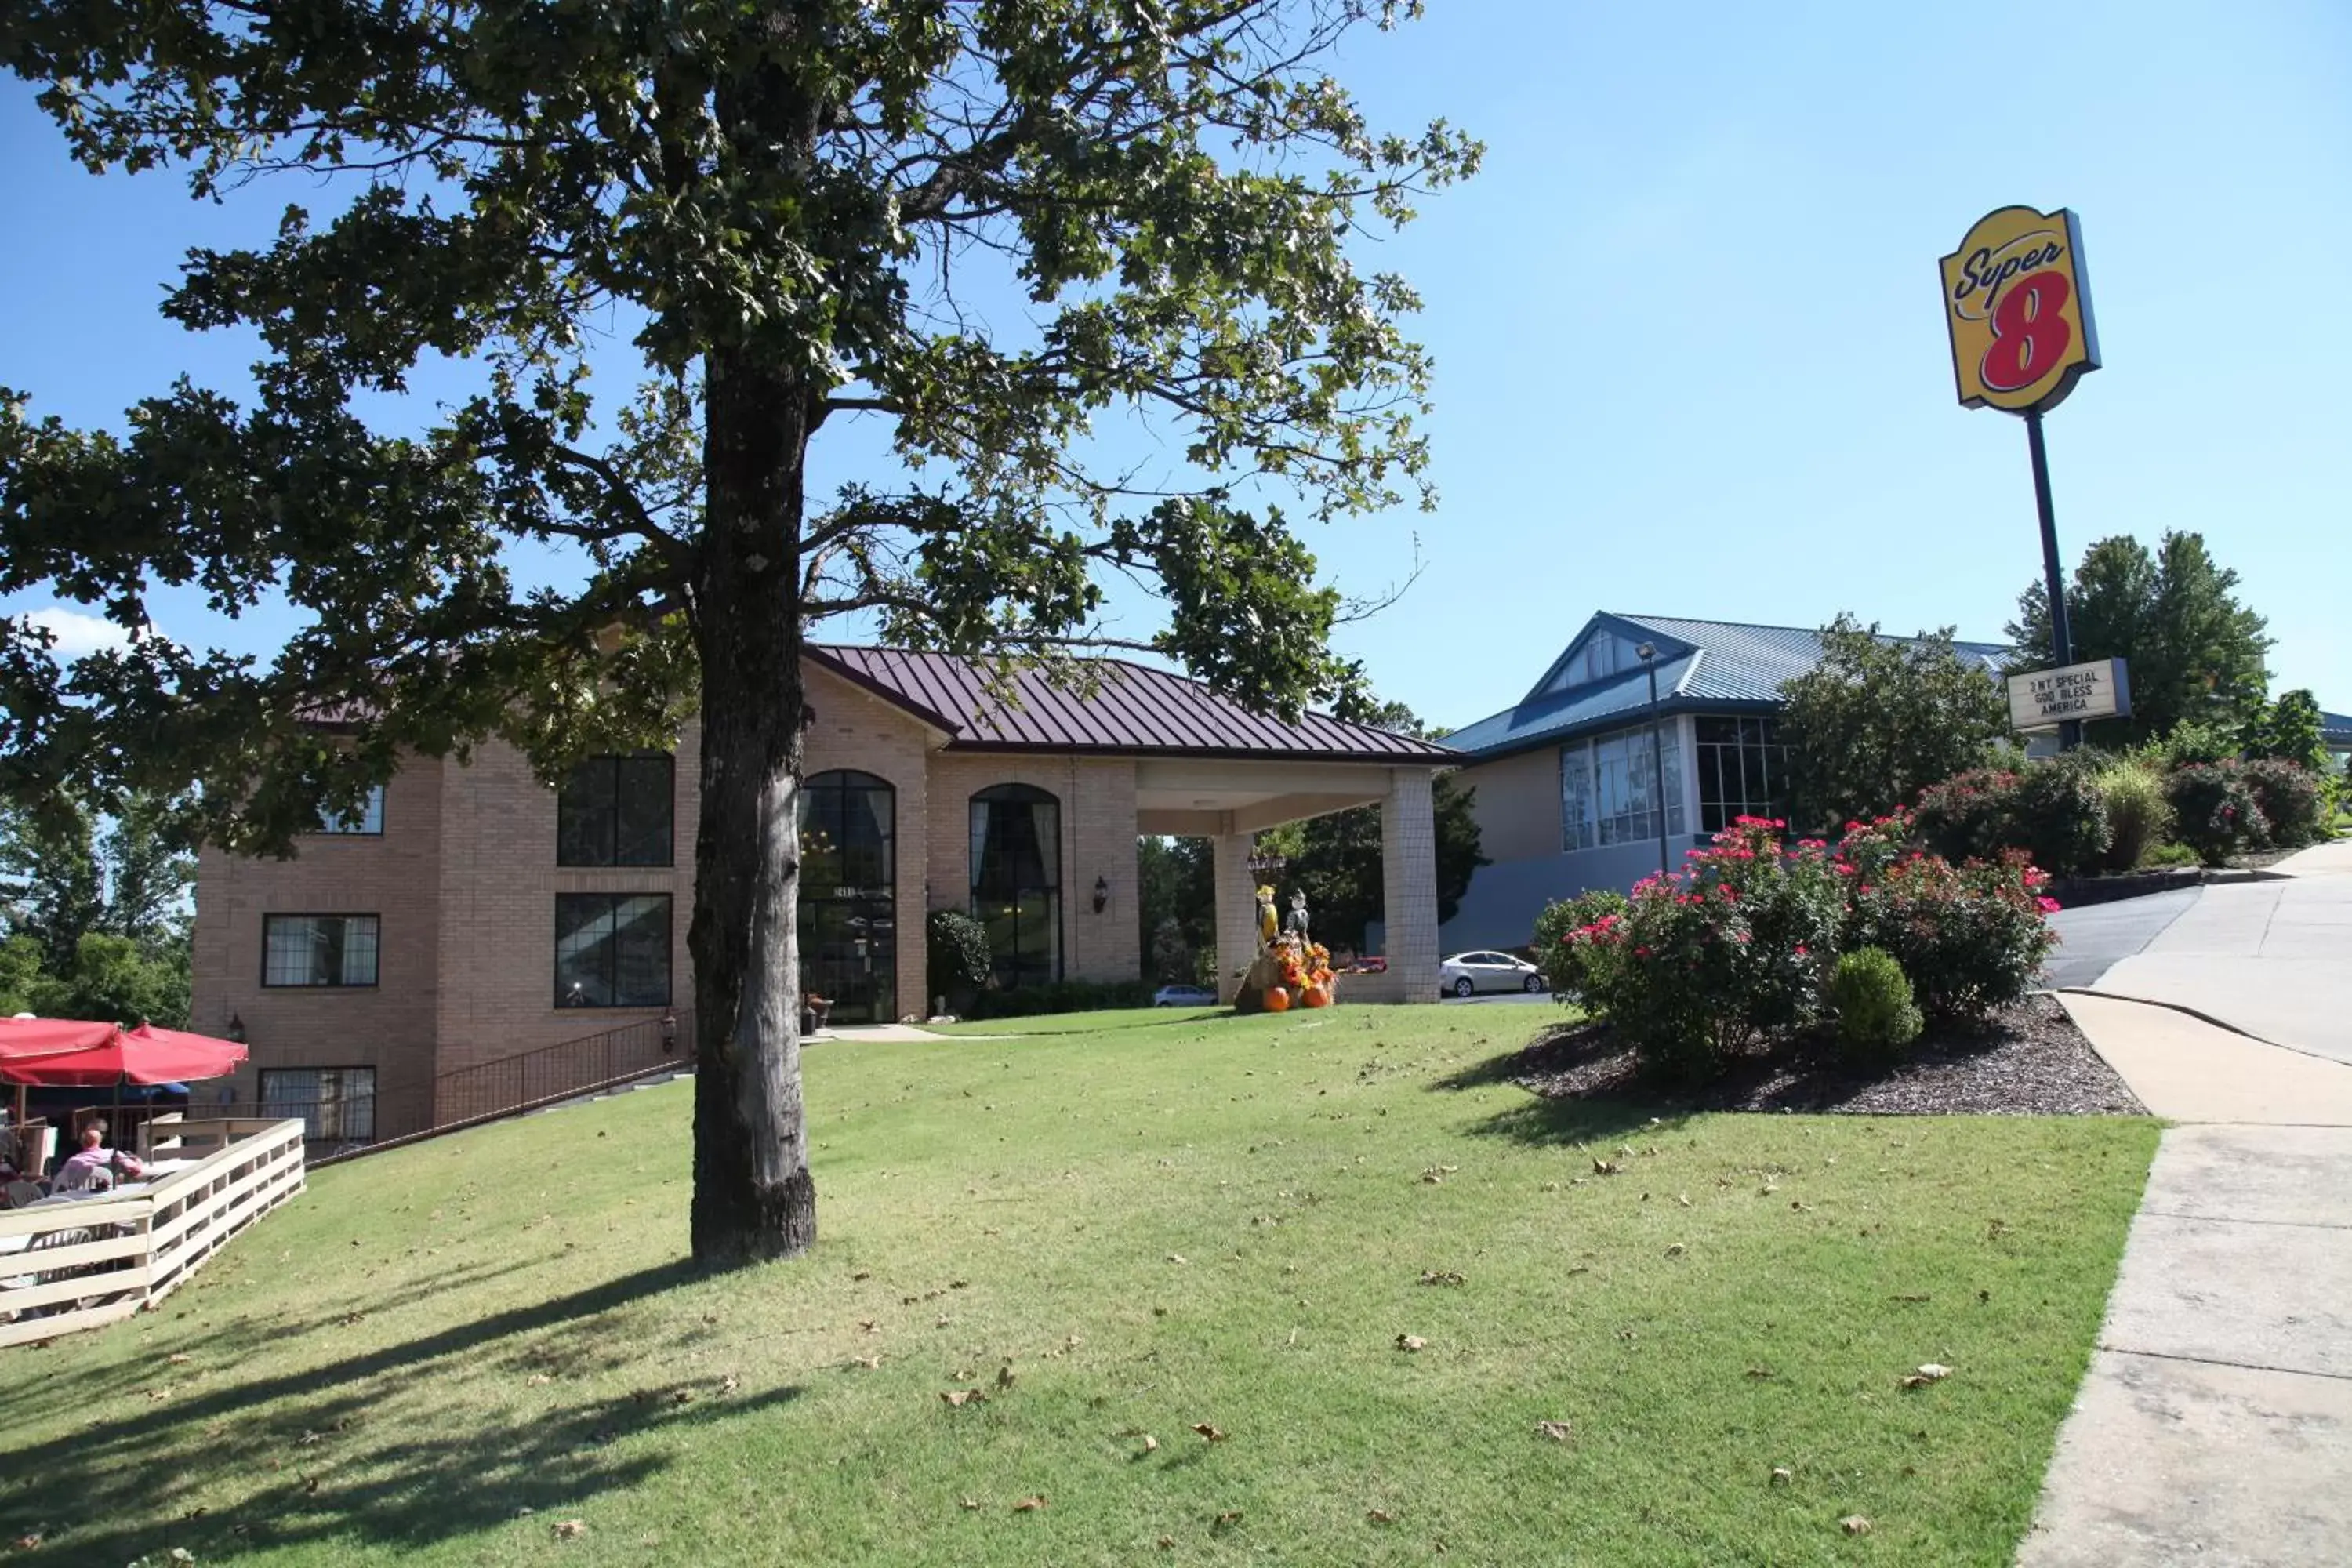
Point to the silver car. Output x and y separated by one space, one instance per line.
1467 972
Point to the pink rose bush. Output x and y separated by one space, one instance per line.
1695 965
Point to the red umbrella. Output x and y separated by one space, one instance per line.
57 1053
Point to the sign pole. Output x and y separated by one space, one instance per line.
2062 636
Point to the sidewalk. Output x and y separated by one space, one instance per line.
2214 1425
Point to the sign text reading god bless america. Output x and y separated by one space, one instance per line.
2044 698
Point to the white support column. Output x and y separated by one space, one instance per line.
1409 887
1236 912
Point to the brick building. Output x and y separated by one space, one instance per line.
471 914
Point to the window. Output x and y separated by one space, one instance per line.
616 811
1607 787
611 950
1605 655
337 1105
849 873
1742 771
1016 881
368 818
319 949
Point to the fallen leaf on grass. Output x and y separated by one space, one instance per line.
862 1274
1782 1476
1209 1432
29 1541
1446 1277
1435 1174
957 1398
1854 1524
1380 1515
1911 1299
1606 1168
1231 1517
1558 1431
1166 1543
1150 1444
1675 1249
1029 1505
1005 1377
870 1362
730 1382
1684 1199
1930 1372
1178 1257
537 1378
570 1530
1411 1342
177 1358
868 1325
970 1504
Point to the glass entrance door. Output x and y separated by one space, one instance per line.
848 923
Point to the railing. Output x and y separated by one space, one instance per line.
70 1266
557 1071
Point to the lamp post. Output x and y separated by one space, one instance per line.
1649 655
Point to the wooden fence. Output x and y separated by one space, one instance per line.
81 1264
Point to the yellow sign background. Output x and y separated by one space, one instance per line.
2018 306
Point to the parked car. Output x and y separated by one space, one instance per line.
1465 973
1184 996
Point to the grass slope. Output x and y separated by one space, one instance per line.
442 1354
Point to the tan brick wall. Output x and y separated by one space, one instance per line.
389 1025
1518 804
1097 798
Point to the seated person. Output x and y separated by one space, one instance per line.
94 1166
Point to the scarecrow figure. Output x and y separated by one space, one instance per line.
1268 925
1296 924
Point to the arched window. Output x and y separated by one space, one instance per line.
849 867
1016 881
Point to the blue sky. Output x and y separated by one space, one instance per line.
1690 356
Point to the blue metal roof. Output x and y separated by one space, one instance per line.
1702 666
2336 729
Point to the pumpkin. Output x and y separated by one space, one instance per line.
1316 996
1277 1000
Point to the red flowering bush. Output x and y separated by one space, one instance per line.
2216 810
1968 816
2052 810
1695 965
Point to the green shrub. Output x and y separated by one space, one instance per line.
2162 856
1871 997
2060 817
1061 996
2139 818
1570 970
2291 799
2194 743
1971 938
956 958
2052 810
1969 816
2215 811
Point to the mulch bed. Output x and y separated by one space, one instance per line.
2029 1059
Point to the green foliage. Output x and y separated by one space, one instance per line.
96 925
2140 818
2164 857
1971 938
2192 742
1879 720
1061 996
2291 729
1176 908
956 958
2195 652
2215 811
1871 999
2051 810
1336 859
2291 800
1573 971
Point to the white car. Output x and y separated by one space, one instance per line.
1467 973
1184 996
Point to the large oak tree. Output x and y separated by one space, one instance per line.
989 222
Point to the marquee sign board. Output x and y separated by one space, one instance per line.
2045 699
2017 304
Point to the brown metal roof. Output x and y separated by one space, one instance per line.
1132 709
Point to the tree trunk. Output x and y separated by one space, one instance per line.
753 1197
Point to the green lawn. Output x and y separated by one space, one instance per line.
1083 1023
442 1354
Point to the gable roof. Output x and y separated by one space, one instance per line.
1133 710
2336 729
1710 666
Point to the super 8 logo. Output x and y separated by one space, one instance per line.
2019 310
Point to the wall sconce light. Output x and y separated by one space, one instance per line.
669 1031
1102 895
237 1027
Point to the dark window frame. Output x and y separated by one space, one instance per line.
379 795
612 848
344 1131
1720 759
271 915
669 951
1018 794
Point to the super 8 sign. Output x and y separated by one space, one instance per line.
2018 308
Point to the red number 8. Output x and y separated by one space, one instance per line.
2029 334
